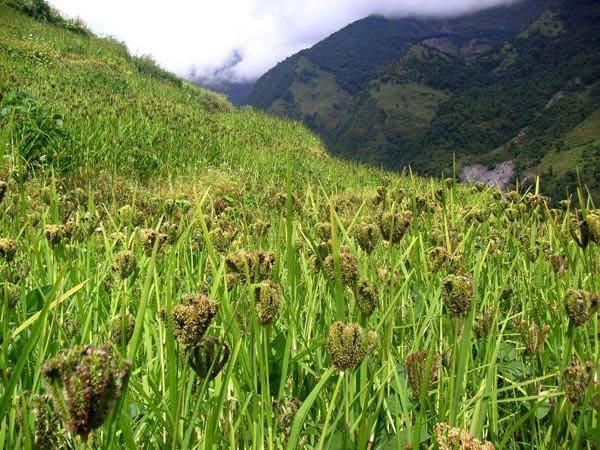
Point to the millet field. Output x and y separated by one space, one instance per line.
176 273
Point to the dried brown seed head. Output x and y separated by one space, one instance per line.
209 357
422 371
84 383
192 317
576 378
581 305
457 294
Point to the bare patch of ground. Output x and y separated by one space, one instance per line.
500 176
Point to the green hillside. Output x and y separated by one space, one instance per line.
176 273
486 90
88 105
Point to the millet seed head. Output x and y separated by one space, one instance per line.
592 223
565 204
580 305
209 357
254 265
438 258
347 346
576 378
84 383
585 230
125 214
125 264
45 423
380 194
121 328
533 335
398 195
323 249
394 226
450 438
221 205
3 189
267 296
86 224
482 324
149 238
367 236
171 231
285 411
12 292
366 296
559 262
222 237
457 294
260 228
54 234
348 267
71 229
323 230
192 317
511 214
280 201
422 371
8 248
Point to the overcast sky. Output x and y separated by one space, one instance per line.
206 35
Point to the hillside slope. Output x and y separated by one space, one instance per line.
508 84
86 104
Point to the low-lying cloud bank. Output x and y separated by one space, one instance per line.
239 40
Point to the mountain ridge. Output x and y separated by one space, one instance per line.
520 58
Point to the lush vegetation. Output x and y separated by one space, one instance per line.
511 90
356 53
176 273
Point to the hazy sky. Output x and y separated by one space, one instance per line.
207 35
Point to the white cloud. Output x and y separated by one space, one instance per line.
186 34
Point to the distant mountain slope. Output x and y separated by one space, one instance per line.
357 52
509 83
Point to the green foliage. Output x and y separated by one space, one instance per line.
147 66
202 277
35 130
40 10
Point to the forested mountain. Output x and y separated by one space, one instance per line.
517 84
